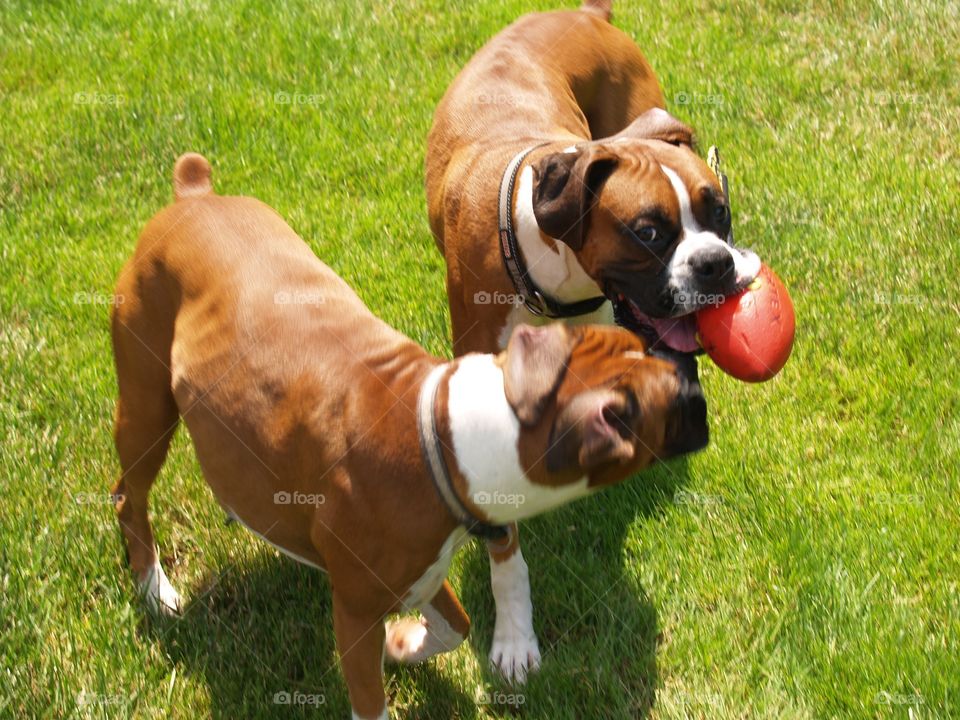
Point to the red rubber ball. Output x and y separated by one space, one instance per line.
750 335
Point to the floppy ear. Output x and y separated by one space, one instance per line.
566 186
602 441
658 124
536 359
593 438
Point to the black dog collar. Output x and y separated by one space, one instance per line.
534 298
433 458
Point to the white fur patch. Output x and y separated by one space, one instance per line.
560 275
423 590
485 433
412 640
159 593
695 239
440 630
406 639
515 650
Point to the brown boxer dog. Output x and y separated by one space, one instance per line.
345 444
559 187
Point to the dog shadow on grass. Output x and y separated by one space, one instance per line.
260 634
596 623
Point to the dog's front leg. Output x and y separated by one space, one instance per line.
360 638
515 650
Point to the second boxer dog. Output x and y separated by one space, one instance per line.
559 188
345 444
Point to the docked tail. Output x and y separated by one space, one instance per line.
603 8
191 176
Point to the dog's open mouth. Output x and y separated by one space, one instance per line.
676 333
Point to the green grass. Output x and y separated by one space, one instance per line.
804 566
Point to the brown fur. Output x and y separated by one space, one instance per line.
564 78
287 383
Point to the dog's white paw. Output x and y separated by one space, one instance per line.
515 651
406 640
413 640
160 595
515 655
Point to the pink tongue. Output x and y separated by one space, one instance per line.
680 333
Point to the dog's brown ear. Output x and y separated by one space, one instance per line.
602 441
536 359
658 124
588 434
566 187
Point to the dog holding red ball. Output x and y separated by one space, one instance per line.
584 198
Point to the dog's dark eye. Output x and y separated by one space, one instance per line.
721 214
646 234
632 410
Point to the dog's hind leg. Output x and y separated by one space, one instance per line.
146 419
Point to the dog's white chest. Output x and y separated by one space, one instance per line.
423 590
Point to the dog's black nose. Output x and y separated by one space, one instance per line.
713 267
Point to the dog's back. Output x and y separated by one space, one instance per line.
507 95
